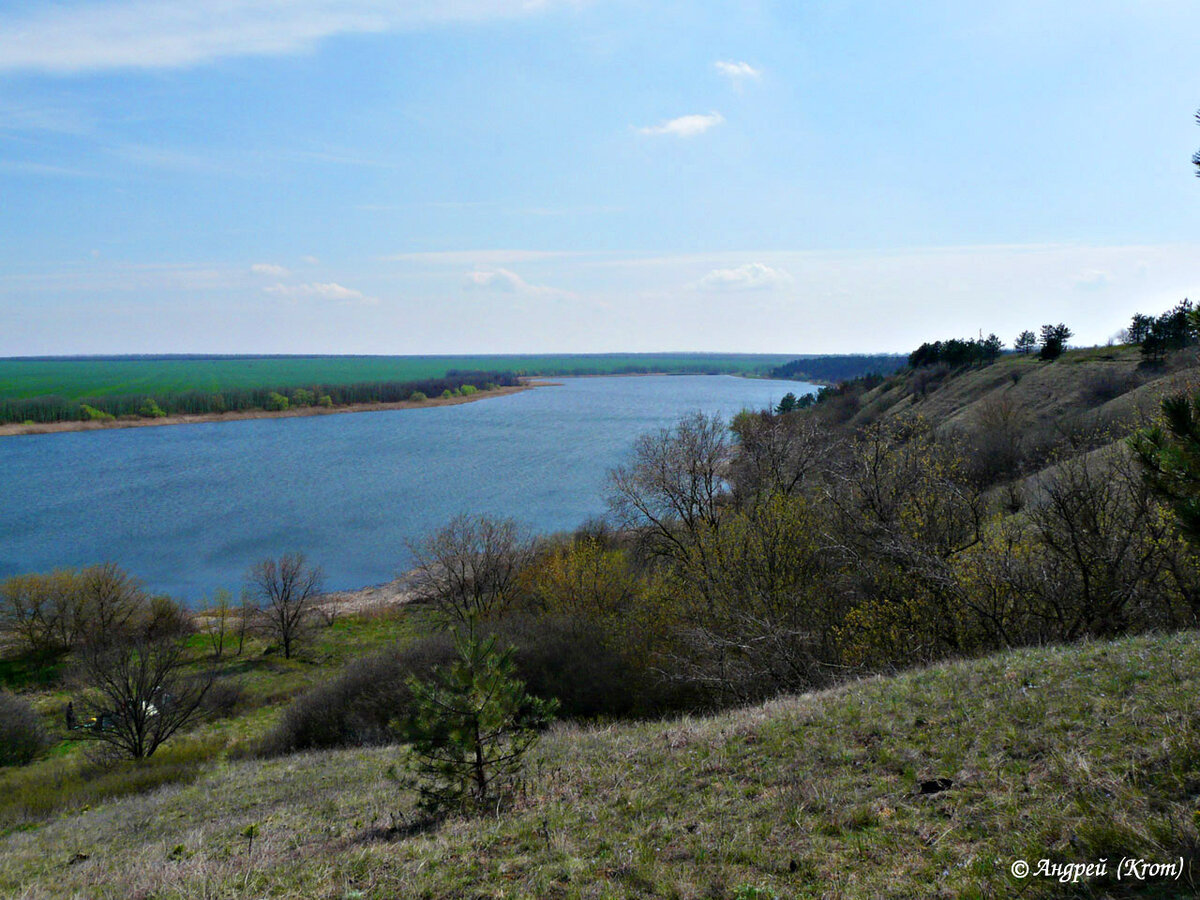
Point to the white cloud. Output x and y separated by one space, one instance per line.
268 269
686 126
329 291
147 34
750 277
311 260
1093 280
737 72
507 281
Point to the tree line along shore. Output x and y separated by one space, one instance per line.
40 414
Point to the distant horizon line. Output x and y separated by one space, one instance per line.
67 357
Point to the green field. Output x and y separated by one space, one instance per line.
80 378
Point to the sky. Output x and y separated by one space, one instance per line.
492 176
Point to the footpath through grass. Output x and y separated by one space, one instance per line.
1068 754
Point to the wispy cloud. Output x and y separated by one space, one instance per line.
569 211
460 258
47 120
269 269
750 277
25 167
686 126
147 34
94 276
327 291
507 281
156 157
737 72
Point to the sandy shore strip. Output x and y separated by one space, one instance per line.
378 597
15 428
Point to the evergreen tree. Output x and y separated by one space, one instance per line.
1054 340
470 728
1170 455
1139 327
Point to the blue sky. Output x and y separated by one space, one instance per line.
347 176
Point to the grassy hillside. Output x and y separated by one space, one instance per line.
1096 387
1066 753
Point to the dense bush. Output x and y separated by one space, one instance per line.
573 662
57 611
224 699
22 736
363 705
150 409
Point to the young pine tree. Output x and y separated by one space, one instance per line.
470 727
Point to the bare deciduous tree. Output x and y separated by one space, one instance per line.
675 483
286 590
137 692
111 598
468 570
776 454
216 622
55 612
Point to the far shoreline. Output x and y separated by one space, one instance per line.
11 429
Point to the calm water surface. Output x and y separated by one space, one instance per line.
189 508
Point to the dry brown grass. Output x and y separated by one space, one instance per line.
1069 754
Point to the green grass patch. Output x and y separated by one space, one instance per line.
76 379
1062 753
31 670
70 783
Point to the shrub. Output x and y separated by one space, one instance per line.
362 705
468 389
57 611
1106 384
325 400
91 414
22 736
447 394
151 410
417 397
224 699
37 793
302 397
276 402
563 659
